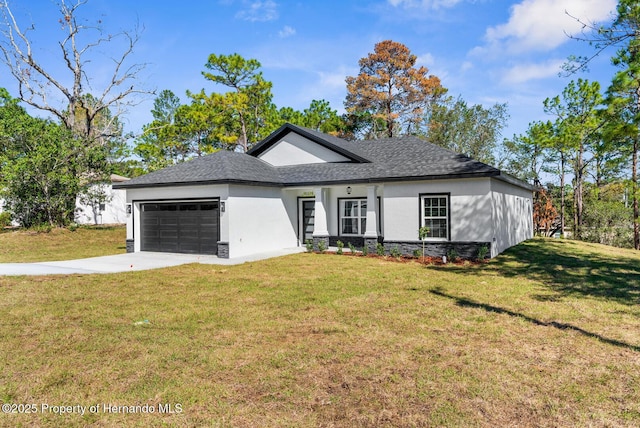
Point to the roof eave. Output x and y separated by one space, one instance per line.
376 180
516 181
126 186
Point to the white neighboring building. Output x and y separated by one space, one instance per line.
111 211
299 184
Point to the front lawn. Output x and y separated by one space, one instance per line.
61 244
547 334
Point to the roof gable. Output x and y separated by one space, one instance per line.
294 149
295 145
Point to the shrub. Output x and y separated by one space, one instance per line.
5 219
423 232
352 247
309 245
41 228
416 253
73 227
365 251
322 246
395 252
482 252
340 246
452 255
379 249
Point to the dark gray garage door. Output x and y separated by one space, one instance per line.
182 227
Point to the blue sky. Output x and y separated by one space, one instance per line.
487 51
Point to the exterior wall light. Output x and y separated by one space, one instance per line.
222 206
348 190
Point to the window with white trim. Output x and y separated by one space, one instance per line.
353 216
435 215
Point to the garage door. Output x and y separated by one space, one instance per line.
182 227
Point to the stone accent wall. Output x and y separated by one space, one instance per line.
130 245
466 250
371 244
318 239
223 250
356 241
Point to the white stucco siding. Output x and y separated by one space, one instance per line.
114 211
469 210
169 194
512 215
294 149
259 220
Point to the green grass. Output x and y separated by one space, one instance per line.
547 334
61 244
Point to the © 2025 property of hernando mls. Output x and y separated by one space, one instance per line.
299 184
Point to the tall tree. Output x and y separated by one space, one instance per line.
250 96
64 93
472 130
318 116
84 89
558 151
321 117
624 93
38 163
528 152
577 127
391 91
160 143
624 103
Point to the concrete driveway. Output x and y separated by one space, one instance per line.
129 262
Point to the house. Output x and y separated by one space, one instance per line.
103 204
299 184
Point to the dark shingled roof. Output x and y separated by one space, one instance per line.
387 159
220 167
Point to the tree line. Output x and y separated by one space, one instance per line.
390 97
588 149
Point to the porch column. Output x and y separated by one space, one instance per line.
320 228
371 231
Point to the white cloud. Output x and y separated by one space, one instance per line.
286 32
427 60
424 4
522 73
543 25
259 11
333 80
328 85
467 65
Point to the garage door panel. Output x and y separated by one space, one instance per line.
180 227
168 220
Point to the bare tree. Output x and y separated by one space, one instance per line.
70 92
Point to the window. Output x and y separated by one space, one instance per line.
353 216
435 215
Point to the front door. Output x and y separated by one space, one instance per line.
306 209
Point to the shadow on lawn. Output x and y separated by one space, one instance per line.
468 303
573 270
